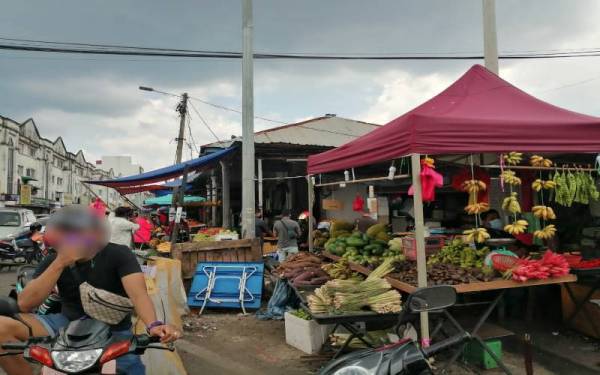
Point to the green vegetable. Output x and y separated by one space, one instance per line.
354 241
302 314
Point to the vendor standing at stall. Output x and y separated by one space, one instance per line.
287 232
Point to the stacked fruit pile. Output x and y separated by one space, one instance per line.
460 254
368 248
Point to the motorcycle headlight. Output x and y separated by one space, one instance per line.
353 370
75 361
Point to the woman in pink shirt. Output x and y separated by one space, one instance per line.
143 235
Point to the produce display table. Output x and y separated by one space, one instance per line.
500 285
346 321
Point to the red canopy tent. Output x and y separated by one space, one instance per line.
480 112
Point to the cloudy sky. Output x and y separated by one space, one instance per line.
94 104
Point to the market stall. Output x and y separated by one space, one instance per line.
481 120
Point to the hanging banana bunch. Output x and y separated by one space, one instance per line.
540 184
479 235
511 204
509 177
544 212
473 186
518 227
477 208
540 161
513 158
546 233
430 162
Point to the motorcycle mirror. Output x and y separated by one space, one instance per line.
432 298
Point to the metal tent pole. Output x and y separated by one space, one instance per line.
420 238
311 202
490 39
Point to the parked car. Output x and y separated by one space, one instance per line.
15 220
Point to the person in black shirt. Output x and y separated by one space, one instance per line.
82 255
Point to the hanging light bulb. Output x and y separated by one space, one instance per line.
346 175
343 185
313 180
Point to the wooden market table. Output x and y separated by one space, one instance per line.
500 286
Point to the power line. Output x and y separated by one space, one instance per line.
204 122
179 53
235 110
75 47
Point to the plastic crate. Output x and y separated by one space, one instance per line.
476 355
433 244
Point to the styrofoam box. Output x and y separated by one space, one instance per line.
305 335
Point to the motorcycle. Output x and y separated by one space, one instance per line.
23 247
404 357
85 346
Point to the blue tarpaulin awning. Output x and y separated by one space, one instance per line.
165 173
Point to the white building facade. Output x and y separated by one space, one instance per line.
55 174
123 166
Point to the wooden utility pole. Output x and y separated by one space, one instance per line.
182 109
490 40
248 194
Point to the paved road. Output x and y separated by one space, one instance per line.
7 278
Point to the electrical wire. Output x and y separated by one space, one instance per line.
107 49
204 121
235 110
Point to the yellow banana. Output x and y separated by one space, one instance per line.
547 232
537 185
511 204
477 235
473 186
549 184
540 161
429 162
544 212
510 178
518 227
477 208
513 158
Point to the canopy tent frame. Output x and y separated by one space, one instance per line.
479 112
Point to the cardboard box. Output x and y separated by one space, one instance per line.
332 205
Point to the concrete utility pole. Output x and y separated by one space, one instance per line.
490 40
248 194
182 109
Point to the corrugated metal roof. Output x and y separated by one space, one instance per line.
327 131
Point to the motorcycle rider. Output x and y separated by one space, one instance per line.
82 249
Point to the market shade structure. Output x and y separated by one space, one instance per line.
480 112
165 173
166 200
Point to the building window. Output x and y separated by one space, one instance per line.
53 179
30 172
59 181
20 170
32 151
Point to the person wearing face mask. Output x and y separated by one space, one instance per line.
491 220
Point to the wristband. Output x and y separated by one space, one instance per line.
156 323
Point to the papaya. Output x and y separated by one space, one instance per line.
374 230
383 236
